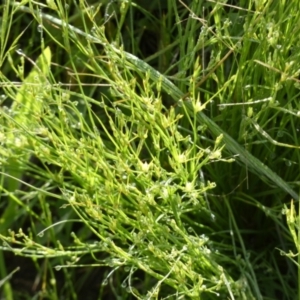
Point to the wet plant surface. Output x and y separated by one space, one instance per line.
149 150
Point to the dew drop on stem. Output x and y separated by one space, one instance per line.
288 163
280 133
20 51
127 269
40 28
41 234
213 217
105 282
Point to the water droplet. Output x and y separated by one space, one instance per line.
92 9
105 282
93 30
288 163
67 6
213 217
41 234
280 133
190 229
20 52
57 268
124 285
40 28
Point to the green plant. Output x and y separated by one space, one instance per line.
146 172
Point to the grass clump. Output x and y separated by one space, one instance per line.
149 151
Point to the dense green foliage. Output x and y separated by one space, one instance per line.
149 149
